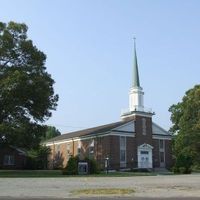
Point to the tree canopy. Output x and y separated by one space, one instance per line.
185 117
51 132
26 89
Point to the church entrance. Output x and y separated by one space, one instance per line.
145 156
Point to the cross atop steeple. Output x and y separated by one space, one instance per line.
135 80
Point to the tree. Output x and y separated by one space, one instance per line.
51 132
185 117
38 158
26 89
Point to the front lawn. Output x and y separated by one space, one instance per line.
58 173
30 173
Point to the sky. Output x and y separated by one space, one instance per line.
89 48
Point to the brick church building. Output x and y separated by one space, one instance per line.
133 142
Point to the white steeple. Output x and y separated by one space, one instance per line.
136 100
136 95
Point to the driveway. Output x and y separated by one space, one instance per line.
144 186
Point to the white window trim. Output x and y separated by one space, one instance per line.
122 163
163 151
79 148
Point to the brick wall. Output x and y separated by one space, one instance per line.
140 137
168 153
156 159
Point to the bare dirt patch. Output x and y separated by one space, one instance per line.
103 192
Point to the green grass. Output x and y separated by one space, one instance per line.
58 173
103 192
30 173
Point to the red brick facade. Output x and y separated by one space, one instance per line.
108 146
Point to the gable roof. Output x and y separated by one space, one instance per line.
157 130
87 132
19 150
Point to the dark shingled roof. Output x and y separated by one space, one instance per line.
87 132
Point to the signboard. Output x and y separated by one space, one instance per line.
82 168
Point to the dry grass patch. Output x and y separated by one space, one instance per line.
104 192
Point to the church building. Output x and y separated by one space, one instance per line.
133 142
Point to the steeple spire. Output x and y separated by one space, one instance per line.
136 80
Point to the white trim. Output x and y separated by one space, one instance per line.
121 134
145 146
110 133
162 137
119 127
159 127
142 114
148 148
157 137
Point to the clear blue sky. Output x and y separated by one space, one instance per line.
89 50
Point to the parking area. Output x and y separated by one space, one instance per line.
144 186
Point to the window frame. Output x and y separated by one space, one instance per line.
9 161
122 149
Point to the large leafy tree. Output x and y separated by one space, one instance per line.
51 132
185 117
26 89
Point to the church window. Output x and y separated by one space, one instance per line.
122 149
79 148
91 149
68 149
161 144
57 148
144 126
162 151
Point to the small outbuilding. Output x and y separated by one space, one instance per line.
12 157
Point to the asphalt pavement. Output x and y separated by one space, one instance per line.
181 187
102 198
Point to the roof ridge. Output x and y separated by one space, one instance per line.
87 131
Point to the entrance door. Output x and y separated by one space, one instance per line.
145 156
144 159
162 159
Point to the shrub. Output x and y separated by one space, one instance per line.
93 166
183 164
72 166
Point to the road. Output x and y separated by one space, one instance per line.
104 198
173 187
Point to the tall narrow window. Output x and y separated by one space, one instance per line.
91 149
68 150
79 149
123 149
162 153
57 149
144 126
161 144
